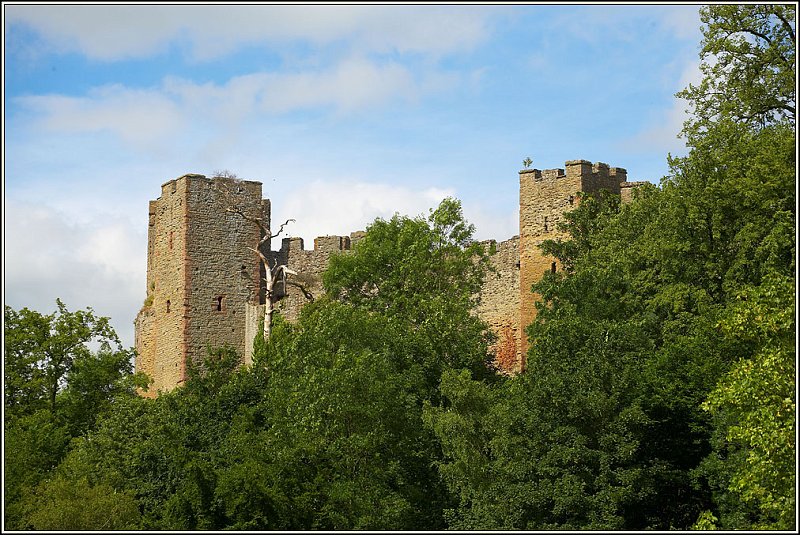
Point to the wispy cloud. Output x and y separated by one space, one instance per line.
597 24
113 32
143 118
148 118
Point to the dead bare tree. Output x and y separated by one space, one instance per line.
272 273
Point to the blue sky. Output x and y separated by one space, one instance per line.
344 112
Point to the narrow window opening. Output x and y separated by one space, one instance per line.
553 267
545 223
168 306
571 200
218 303
171 238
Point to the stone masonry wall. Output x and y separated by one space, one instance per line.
626 190
499 302
309 264
200 274
224 273
160 339
544 197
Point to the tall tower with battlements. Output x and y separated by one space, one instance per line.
201 273
544 197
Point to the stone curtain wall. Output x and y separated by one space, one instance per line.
499 302
309 264
205 286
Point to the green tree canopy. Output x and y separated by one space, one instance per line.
749 65
40 351
55 389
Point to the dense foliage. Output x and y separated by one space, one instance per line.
659 394
55 389
660 390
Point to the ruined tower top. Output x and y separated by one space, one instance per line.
201 272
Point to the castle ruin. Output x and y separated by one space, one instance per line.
205 282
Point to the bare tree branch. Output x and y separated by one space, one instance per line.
281 227
306 293
786 26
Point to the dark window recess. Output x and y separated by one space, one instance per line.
218 301
545 223
171 237
168 306
571 200
553 267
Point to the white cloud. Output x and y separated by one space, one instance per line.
685 22
339 207
99 264
490 225
155 118
113 32
352 85
143 118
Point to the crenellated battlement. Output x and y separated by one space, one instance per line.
292 244
577 170
332 243
326 244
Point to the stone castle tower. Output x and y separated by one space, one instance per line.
200 274
544 197
204 281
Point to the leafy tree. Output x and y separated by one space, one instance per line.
753 467
40 351
646 398
426 274
55 389
336 442
743 145
604 428
749 65
164 453
34 444
63 504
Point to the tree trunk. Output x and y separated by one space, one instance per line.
269 307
